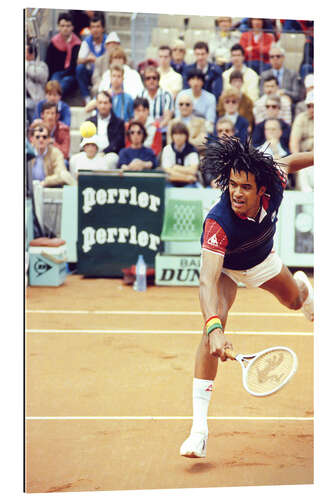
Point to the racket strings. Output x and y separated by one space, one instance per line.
269 371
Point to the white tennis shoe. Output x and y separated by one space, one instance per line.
308 306
195 446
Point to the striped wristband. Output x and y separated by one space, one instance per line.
212 323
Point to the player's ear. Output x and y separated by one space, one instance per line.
262 190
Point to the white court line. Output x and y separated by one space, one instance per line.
164 332
162 313
168 418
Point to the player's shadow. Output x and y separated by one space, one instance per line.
197 468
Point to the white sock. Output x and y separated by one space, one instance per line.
202 392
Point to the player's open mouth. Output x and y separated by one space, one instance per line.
238 204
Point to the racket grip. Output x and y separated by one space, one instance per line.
230 354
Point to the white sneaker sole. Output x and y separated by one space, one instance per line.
195 446
307 308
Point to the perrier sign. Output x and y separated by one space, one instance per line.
120 216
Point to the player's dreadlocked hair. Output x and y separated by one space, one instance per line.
226 153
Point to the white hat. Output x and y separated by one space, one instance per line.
90 140
112 37
309 98
308 81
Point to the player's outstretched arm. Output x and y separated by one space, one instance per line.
298 161
209 300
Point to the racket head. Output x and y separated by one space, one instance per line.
269 370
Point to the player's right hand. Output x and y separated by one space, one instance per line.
217 343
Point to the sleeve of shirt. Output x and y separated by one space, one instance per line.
168 101
168 158
84 50
192 159
211 111
214 239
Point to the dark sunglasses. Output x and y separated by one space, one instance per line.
231 101
41 136
151 78
273 106
277 56
310 105
184 104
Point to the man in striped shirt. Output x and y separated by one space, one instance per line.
161 103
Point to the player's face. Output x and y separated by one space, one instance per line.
244 197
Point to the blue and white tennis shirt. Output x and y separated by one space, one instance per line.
243 241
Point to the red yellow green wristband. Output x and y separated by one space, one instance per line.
212 323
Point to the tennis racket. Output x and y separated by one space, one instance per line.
267 371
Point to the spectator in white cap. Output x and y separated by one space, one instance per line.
102 63
178 50
88 159
309 86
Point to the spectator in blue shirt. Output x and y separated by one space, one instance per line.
204 103
136 157
178 50
212 72
122 103
53 94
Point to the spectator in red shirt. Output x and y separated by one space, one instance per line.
59 132
256 44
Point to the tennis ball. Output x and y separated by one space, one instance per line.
87 129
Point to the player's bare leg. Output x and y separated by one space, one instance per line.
293 292
204 375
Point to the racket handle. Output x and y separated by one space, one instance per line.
230 354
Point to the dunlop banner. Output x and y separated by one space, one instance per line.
119 217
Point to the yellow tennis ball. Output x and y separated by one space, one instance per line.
87 129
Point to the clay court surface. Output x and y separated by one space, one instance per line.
109 392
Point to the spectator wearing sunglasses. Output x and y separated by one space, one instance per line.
195 124
136 157
245 104
288 80
230 99
273 107
48 167
271 88
204 103
272 144
161 103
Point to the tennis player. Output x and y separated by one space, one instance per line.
237 246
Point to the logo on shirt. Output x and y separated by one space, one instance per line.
213 241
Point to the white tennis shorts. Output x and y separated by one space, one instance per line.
257 275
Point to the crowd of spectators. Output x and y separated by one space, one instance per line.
158 114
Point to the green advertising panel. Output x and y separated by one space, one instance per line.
119 217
